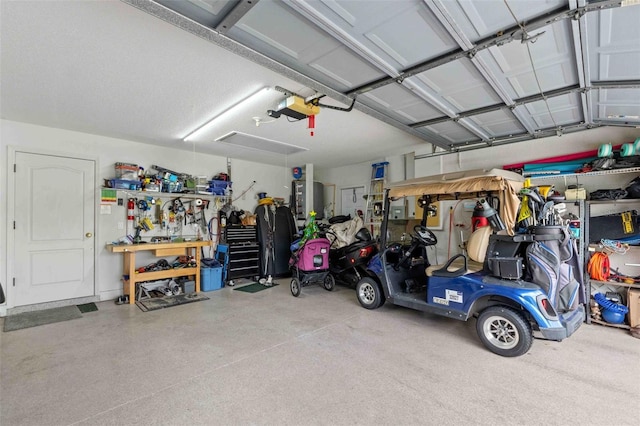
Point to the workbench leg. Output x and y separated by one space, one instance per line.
197 256
130 269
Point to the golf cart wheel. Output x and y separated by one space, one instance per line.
295 287
369 293
329 282
504 331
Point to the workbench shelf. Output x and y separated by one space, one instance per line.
168 273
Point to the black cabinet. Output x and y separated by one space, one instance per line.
244 251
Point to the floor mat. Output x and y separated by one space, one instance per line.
36 318
87 307
156 303
254 288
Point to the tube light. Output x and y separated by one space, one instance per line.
216 119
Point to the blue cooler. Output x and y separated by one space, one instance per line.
211 278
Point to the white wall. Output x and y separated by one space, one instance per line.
360 175
344 177
107 151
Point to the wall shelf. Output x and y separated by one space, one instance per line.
156 194
614 283
587 174
600 322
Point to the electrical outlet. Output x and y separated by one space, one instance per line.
120 225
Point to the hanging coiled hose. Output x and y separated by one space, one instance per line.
598 267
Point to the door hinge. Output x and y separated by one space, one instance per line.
14 167
14 224
14 281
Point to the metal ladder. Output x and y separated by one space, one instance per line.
375 198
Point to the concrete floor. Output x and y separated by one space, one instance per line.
271 359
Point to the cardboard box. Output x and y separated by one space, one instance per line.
633 302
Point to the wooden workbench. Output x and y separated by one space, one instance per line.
131 277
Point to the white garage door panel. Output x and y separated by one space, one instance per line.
415 24
346 68
499 123
452 132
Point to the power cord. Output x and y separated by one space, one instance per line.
599 267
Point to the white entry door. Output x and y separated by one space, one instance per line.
352 200
54 228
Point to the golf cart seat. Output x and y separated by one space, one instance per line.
460 264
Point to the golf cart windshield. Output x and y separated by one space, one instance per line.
470 184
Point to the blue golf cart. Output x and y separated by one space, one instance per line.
513 284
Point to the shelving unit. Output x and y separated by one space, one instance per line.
585 210
594 286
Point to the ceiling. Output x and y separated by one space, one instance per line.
444 75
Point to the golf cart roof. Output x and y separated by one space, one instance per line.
464 185
457 185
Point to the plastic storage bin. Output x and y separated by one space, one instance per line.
125 184
218 187
211 279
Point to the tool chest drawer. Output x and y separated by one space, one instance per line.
244 260
236 234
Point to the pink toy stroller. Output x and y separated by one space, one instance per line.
309 264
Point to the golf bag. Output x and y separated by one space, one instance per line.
553 264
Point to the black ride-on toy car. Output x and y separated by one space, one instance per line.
352 247
512 284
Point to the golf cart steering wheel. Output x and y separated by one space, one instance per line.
424 235
421 236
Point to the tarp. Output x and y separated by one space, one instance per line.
344 234
465 185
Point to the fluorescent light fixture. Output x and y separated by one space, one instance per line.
215 119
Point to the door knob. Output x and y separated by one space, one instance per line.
89 234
